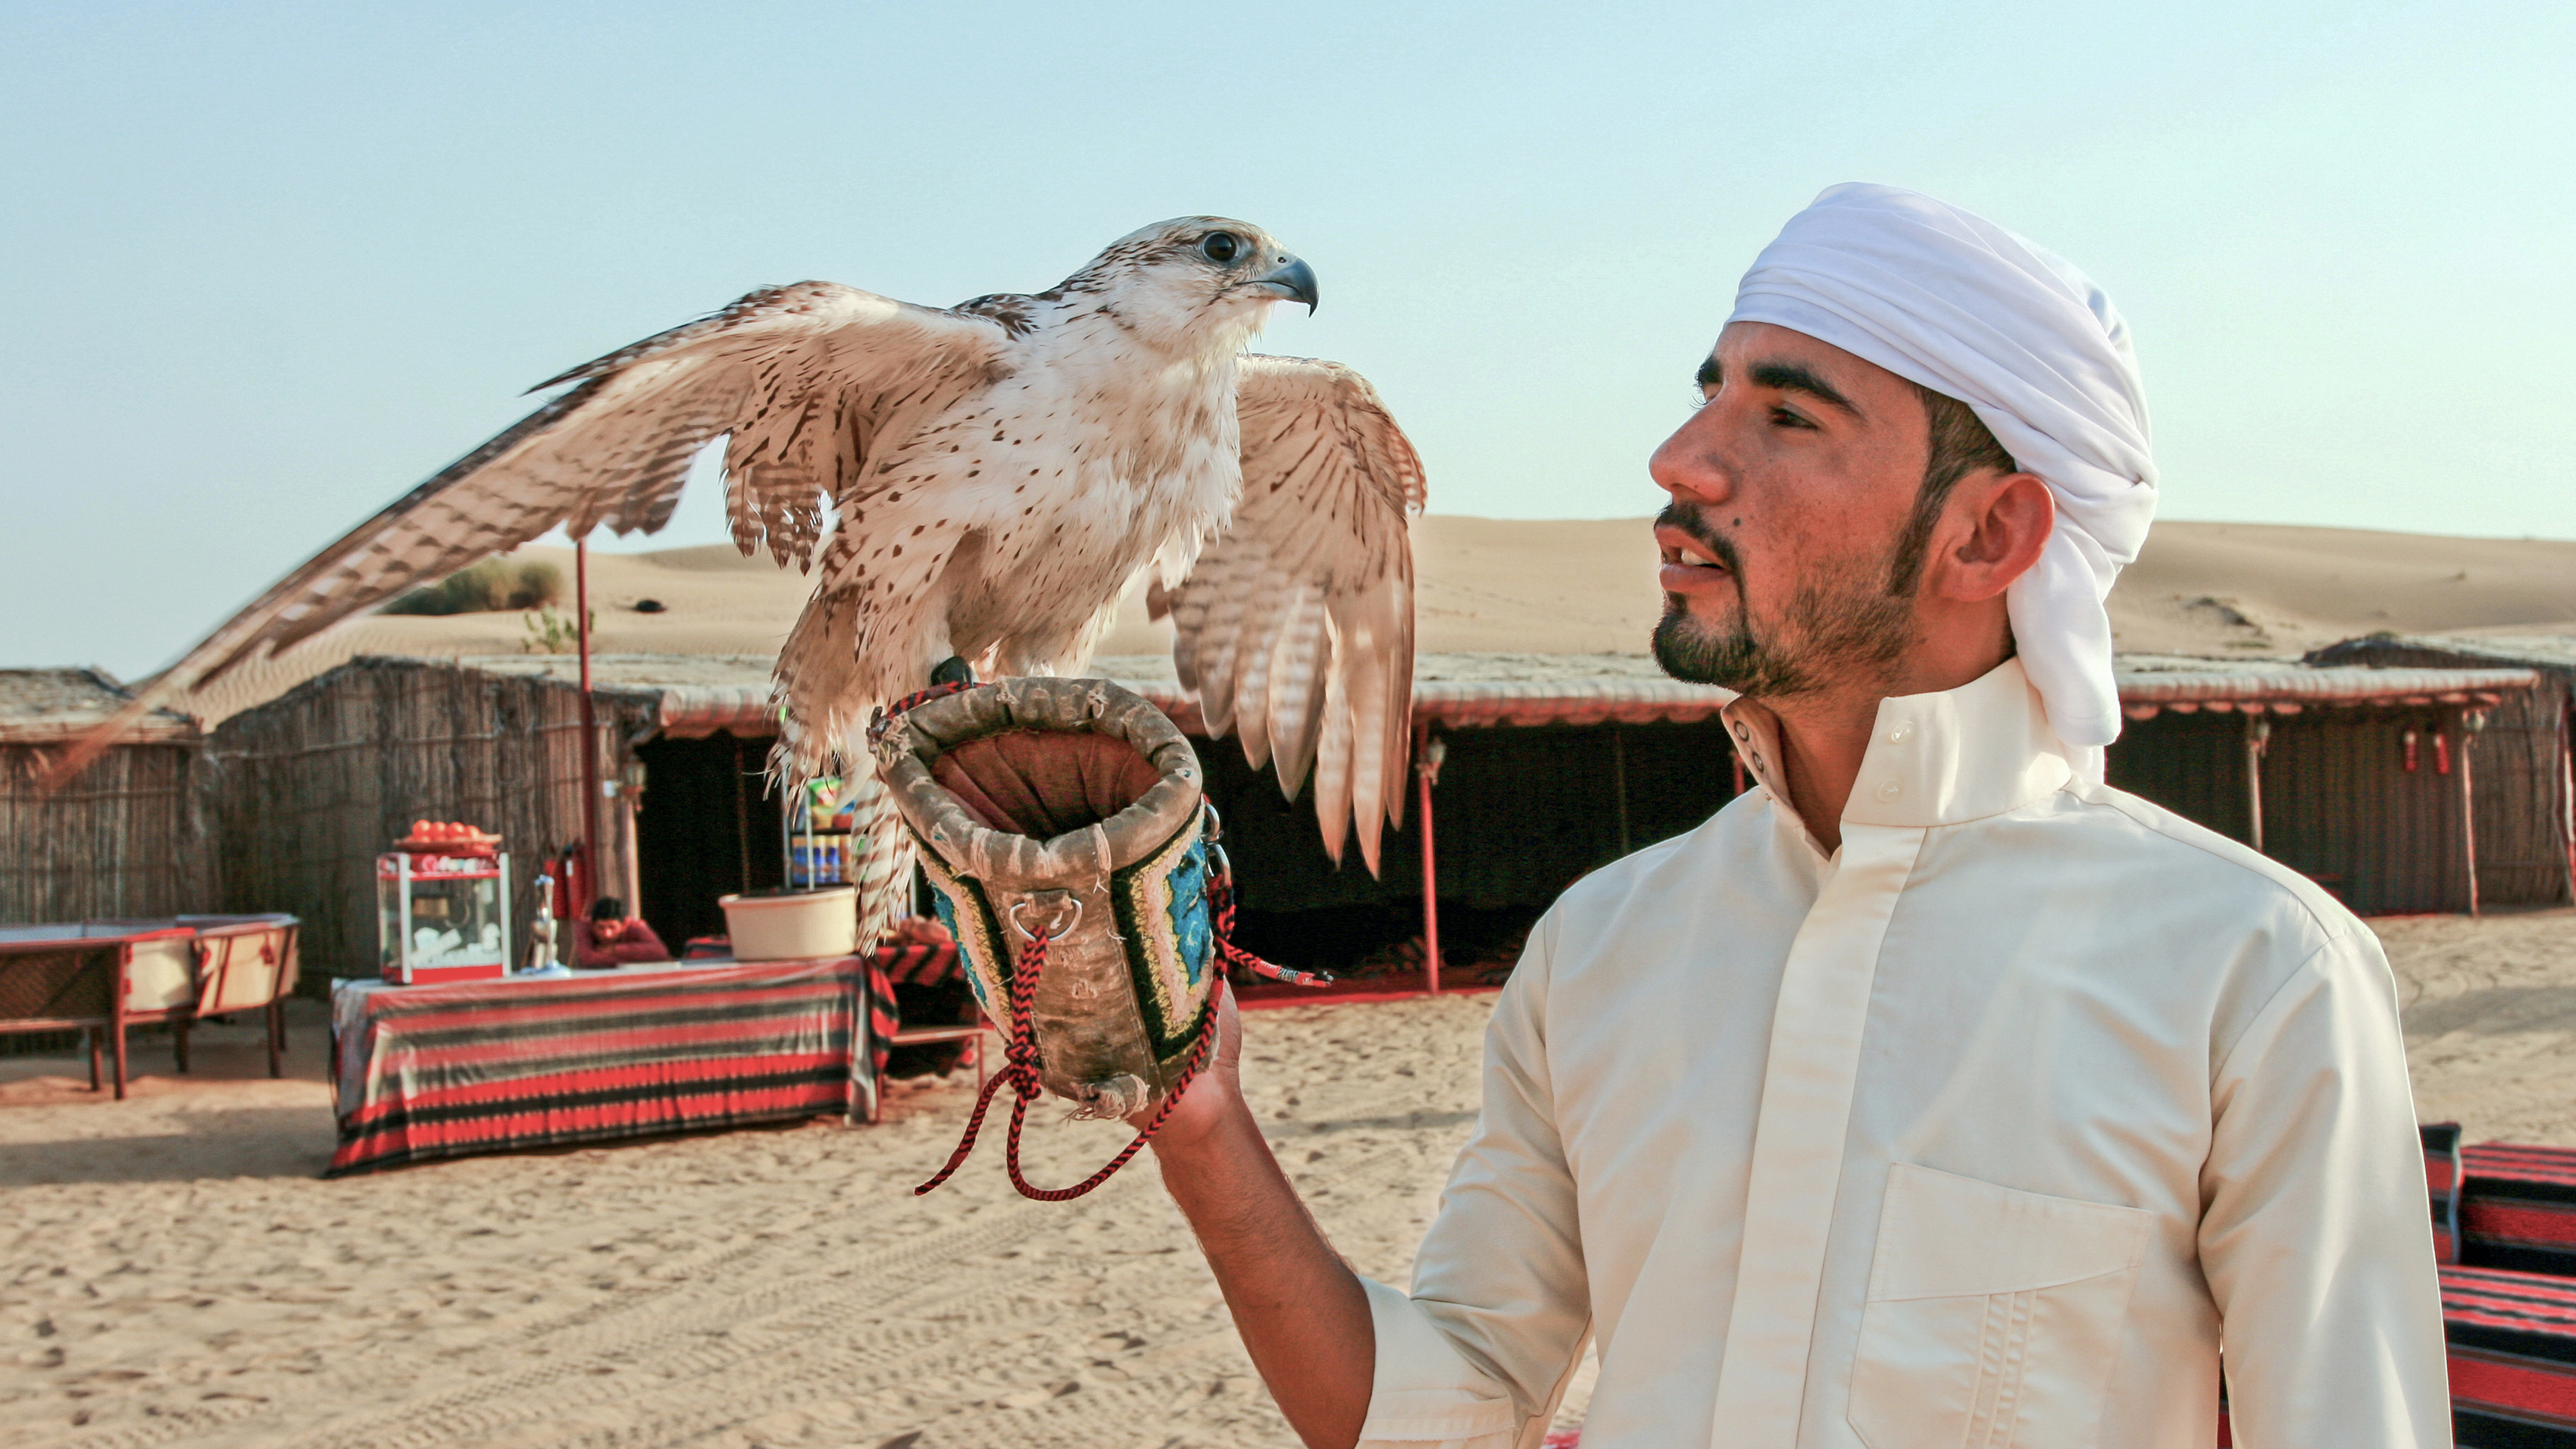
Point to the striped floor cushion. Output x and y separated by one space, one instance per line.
2518 1207
2513 1356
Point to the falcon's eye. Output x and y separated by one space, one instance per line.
1221 246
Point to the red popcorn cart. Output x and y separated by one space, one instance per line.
443 906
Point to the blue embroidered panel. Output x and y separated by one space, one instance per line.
1193 929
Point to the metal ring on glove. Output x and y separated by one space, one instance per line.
1024 903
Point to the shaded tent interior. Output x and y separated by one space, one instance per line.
1520 814
706 826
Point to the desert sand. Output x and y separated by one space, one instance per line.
1587 587
176 1273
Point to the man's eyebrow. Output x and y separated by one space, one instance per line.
1797 377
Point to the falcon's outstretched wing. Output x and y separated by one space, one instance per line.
1296 626
803 377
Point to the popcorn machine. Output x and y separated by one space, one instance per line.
443 906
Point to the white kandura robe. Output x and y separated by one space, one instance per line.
1987 1131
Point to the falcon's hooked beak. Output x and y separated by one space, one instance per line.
1293 280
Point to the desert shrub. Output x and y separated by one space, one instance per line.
538 584
493 584
552 630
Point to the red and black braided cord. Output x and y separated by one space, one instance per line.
1020 1071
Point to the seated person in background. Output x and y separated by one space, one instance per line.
612 938
919 931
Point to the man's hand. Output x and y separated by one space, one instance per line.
1218 1085
1300 1309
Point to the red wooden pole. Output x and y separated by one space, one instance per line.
119 982
2469 808
1424 769
2567 791
589 733
2257 733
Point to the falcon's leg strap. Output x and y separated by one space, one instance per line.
886 714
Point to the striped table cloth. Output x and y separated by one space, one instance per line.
422 1072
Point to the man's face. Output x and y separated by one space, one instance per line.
1792 489
607 930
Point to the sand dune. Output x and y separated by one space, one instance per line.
1587 587
2203 588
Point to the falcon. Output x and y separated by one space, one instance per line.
975 487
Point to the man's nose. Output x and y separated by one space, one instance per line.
1689 465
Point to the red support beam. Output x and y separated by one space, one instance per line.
2470 723
589 734
1426 768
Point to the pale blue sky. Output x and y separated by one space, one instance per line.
264 267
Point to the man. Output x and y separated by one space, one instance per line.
1932 1093
612 938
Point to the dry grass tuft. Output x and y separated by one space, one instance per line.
487 587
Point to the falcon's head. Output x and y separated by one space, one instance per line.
1196 279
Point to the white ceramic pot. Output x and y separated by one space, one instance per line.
793 925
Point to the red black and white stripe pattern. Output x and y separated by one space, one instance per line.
2518 1207
447 1071
914 964
885 1018
2510 1312
2513 1356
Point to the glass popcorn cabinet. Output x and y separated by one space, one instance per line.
443 910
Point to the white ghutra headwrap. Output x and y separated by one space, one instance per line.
1961 306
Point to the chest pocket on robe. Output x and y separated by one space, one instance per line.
1994 1315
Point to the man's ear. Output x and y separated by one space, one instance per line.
2001 522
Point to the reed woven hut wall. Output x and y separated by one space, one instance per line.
319 782
129 836
2359 779
2525 780
2339 806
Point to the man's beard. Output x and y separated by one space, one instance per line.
1846 622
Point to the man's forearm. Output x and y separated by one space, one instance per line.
1301 1311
